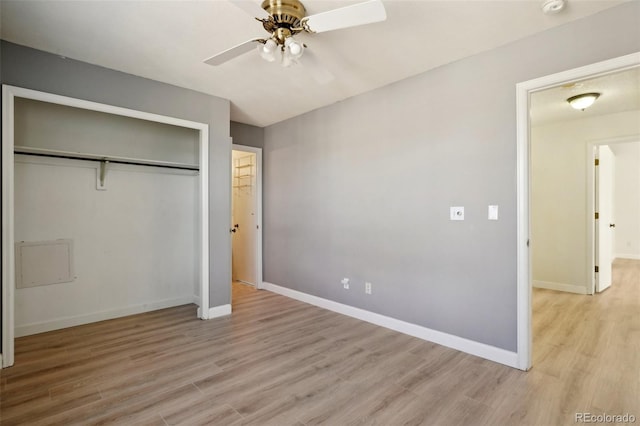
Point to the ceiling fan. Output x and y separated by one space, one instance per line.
283 19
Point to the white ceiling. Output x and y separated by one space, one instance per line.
619 92
168 40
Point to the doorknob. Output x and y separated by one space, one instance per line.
236 226
232 230
612 225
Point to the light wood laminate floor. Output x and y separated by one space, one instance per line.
277 361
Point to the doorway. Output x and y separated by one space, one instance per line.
615 185
246 215
524 92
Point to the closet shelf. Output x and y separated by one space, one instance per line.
41 152
244 166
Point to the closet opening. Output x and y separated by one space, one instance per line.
104 213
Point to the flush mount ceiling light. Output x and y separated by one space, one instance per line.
549 7
583 101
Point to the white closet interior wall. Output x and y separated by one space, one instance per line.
135 243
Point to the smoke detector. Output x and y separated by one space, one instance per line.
549 7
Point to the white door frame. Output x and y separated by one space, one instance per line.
591 204
9 93
523 92
258 242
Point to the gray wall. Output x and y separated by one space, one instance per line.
246 134
362 188
46 72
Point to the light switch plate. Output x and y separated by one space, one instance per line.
493 212
345 283
456 213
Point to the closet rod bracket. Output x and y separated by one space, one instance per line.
102 174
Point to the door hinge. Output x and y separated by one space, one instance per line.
597 162
597 269
597 215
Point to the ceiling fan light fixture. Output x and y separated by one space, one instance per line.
269 50
293 48
583 101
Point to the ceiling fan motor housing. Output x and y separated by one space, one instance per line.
286 16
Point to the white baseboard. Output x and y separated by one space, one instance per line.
628 256
481 350
58 323
217 311
569 288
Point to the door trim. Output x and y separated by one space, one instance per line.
9 93
258 242
523 92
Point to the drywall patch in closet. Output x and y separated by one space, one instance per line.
44 262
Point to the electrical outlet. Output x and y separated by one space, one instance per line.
345 283
367 287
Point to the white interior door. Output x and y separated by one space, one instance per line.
244 217
605 225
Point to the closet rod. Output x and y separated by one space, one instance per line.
92 157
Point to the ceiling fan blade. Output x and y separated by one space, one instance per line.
350 16
251 8
235 51
316 69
